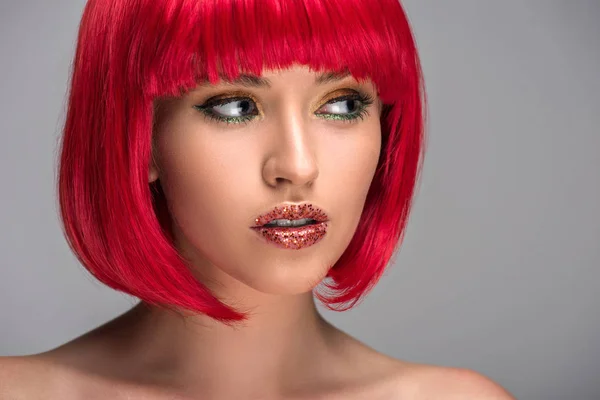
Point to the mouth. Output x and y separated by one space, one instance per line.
292 226
291 216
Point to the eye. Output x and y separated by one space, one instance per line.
242 109
231 110
347 108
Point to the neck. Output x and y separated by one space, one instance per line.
284 341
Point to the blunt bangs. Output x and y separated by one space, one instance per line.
131 52
178 44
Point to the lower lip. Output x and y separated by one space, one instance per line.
293 238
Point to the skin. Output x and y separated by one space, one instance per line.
217 178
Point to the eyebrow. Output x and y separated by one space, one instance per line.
260 82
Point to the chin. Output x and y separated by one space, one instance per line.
286 280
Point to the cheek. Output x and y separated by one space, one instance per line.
209 199
347 176
195 159
189 173
205 188
351 164
210 185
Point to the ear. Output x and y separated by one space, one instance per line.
152 172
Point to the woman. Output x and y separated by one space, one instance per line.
223 161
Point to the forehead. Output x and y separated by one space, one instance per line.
267 77
298 75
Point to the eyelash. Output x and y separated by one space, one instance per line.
364 99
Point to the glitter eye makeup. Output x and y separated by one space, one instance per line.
364 100
215 108
347 108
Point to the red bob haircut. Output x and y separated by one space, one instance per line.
130 52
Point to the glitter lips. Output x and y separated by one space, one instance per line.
293 238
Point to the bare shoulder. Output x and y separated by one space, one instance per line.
46 376
424 382
26 377
379 376
38 376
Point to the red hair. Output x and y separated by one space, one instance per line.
131 52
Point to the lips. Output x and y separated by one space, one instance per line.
292 238
292 212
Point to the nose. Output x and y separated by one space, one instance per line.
292 159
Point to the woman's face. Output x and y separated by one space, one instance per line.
291 141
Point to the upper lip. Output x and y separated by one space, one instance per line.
291 211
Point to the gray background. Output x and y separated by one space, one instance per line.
499 269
